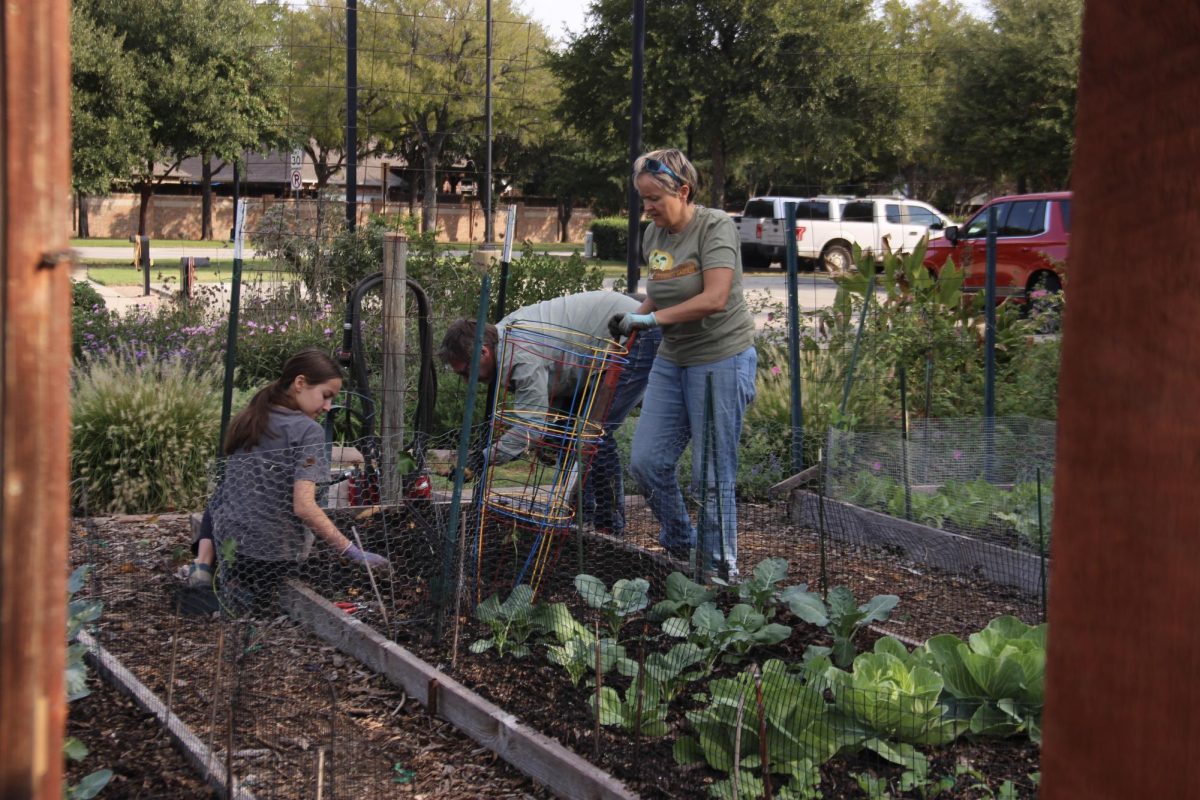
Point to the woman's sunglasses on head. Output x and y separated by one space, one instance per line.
653 165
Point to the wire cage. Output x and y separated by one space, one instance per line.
537 495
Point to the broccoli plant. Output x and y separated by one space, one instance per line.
758 591
670 671
513 623
642 709
627 597
578 656
736 634
684 596
840 615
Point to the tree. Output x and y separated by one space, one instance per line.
314 40
212 87
431 65
1013 110
109 126
745 89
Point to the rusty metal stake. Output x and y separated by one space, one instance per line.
458 589
599 681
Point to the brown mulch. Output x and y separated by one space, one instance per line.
123 738
295 695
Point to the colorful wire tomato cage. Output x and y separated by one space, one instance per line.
527 507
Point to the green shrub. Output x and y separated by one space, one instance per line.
610 237
84 296
143 433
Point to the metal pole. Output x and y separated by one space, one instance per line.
489 227
510 225
464 445
235 294
351 114
793 300
633 248
904 443
858 337
989 349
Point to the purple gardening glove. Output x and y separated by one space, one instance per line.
372 560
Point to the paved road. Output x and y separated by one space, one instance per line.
162 255
766 290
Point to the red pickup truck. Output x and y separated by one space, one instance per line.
1033 231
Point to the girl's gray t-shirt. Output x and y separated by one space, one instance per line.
254 502
677 262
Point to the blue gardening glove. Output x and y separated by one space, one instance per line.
373 560
627 323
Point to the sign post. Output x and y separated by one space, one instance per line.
295 170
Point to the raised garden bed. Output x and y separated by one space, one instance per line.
537 693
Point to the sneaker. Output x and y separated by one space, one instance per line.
200 575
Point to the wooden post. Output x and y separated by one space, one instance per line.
392 396
1121 696
35 356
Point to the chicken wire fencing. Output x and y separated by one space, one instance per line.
267 711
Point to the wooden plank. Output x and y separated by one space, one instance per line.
950 551
796 481
35 361
1123 655
207 763
541 758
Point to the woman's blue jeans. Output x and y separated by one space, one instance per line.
674 413
604 487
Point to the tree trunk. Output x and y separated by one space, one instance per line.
85 230
430 195
145 195
717 195
205 197
565 209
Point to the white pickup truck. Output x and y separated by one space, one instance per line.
827 228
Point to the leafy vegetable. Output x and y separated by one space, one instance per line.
894 695
578 656
840 615
795 714
743 630
623 711
683 597
998 675
627 597
513 622
758 590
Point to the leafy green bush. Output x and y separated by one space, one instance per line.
610 237
143 433
85 297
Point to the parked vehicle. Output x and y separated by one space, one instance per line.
828 227
1033 232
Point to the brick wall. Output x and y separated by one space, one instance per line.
175 217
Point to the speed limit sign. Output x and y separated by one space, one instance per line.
296 180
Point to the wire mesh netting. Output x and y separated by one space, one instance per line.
873 629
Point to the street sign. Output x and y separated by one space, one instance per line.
296 180
297 157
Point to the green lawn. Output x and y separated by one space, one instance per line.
153 243
119 273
